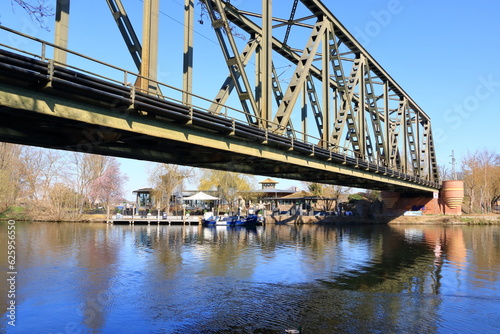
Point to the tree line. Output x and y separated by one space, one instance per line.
52 185
56 185
481 176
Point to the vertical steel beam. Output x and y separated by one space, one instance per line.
149 55
361 110
187 76
326 58
61 30
417 144
258 76
266 63
304 112
405 120
387 122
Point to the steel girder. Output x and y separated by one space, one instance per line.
359 109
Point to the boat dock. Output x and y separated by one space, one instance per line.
168 220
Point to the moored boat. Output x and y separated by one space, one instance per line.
251 220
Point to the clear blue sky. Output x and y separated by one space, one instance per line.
444 54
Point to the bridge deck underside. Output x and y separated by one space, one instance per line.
72 112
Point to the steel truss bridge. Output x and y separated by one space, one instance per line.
340 118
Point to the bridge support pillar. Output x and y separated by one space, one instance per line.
449 201
451 197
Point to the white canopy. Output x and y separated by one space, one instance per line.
200 196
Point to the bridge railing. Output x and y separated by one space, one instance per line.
77 62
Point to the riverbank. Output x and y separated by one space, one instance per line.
478 219
481 219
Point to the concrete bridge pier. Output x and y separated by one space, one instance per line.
448 201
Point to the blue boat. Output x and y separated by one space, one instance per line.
250 220
218 221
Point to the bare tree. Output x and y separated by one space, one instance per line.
9 174
481 173
444 173
107 188
328 193
84 170
40 169
165 178
58 205
37 10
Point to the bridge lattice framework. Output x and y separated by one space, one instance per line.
357 107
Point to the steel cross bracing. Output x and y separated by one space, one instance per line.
370 110
359 106
360 112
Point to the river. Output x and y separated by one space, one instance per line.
100 278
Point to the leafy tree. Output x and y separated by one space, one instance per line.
355 197
228 184
316 189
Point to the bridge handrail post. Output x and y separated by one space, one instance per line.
51 71
44 50
125 77
191 112
132 94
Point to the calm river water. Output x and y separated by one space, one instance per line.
98 278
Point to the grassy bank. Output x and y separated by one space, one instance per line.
488 219
17 213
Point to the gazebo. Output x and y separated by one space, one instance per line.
199 197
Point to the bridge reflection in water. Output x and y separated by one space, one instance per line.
190 279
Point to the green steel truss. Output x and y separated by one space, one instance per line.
357 106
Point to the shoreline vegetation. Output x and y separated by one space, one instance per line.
17 214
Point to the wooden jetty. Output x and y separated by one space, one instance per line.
151 220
